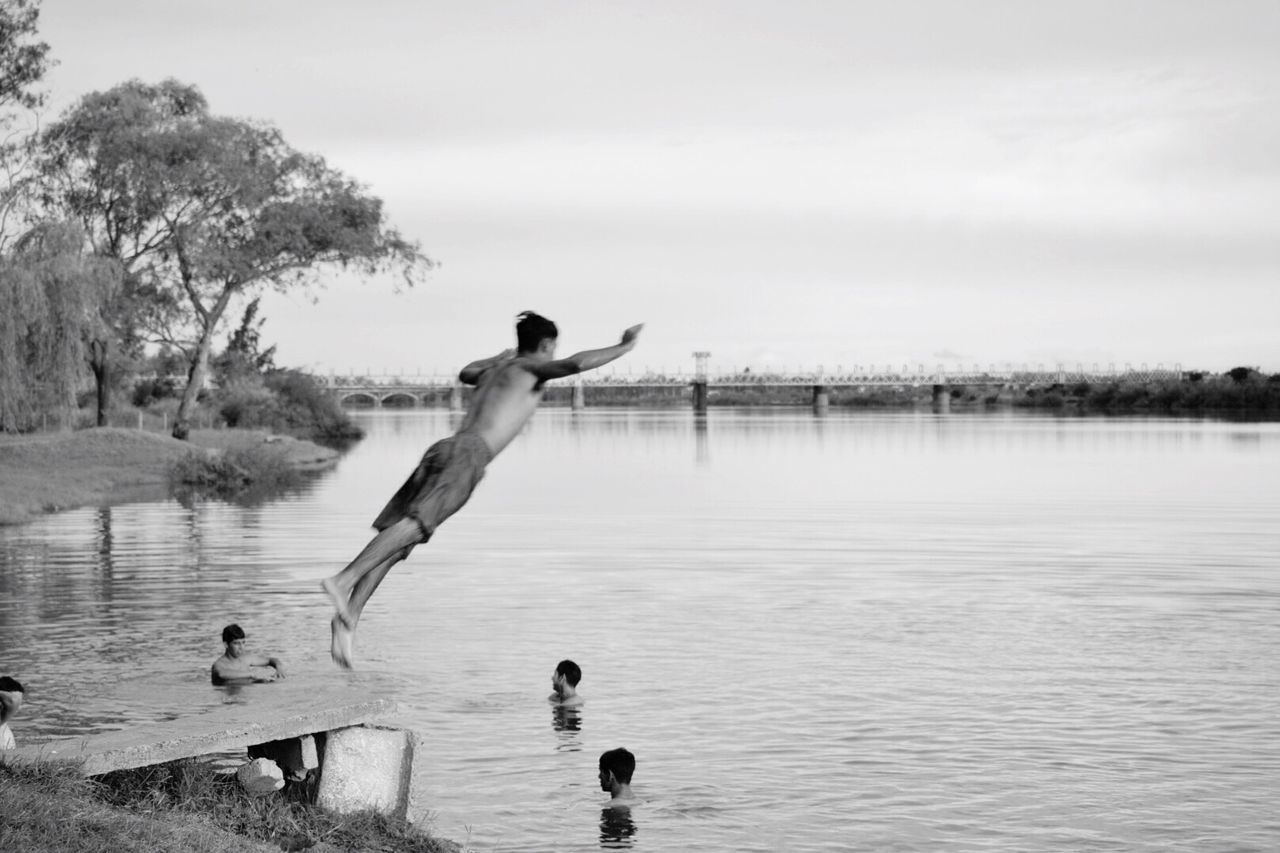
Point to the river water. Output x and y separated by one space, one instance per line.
879 632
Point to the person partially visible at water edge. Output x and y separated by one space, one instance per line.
239 666
509 387
12 695
564 685
616 769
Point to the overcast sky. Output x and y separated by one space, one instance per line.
788 183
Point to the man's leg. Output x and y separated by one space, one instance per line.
341 632
369 582
341 588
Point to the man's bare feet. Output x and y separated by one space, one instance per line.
340 643
339 600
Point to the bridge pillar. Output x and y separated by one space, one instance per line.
455 397
700 395
821 399
941 399
579 396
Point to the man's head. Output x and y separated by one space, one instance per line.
616 767
569 671
233 636
536 334
11 696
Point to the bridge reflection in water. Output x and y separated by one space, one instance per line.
400 389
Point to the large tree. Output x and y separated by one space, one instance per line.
202 210
98 168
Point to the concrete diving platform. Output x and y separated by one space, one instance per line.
301 726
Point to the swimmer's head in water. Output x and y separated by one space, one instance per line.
231 633
11 696
571 672
620 762
532 329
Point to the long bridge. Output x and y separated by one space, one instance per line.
416 389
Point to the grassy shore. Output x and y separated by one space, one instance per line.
184 807
47 472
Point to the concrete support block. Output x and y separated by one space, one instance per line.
455 398
368 768
294 755
260 777
579 397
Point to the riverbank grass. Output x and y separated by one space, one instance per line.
48 472
182 806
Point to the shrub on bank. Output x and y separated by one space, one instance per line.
254 470
287 401
308 407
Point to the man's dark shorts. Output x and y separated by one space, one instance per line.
442 483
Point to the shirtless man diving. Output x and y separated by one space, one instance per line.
509 387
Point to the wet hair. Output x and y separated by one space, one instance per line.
620 762
231 633
532 329
10 685
571 672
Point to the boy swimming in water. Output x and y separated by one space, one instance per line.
240 666
509 387
564 685
616 769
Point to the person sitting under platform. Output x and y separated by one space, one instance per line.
239 666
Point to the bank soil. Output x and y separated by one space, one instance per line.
56 471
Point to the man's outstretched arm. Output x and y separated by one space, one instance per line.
587 359
472 372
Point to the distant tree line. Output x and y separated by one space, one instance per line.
138 219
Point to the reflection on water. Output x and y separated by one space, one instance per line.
856 631
617 829
702 448
567 723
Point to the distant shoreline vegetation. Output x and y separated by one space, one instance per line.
1242 390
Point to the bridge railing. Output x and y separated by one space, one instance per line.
906 374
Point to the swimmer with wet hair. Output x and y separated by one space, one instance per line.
564 684
239 666
616 768
12 695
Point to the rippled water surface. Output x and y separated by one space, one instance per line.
859 632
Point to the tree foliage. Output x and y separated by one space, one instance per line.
50 291
23 60
244 354
23 63
203 210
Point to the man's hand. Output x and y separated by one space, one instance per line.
630 335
